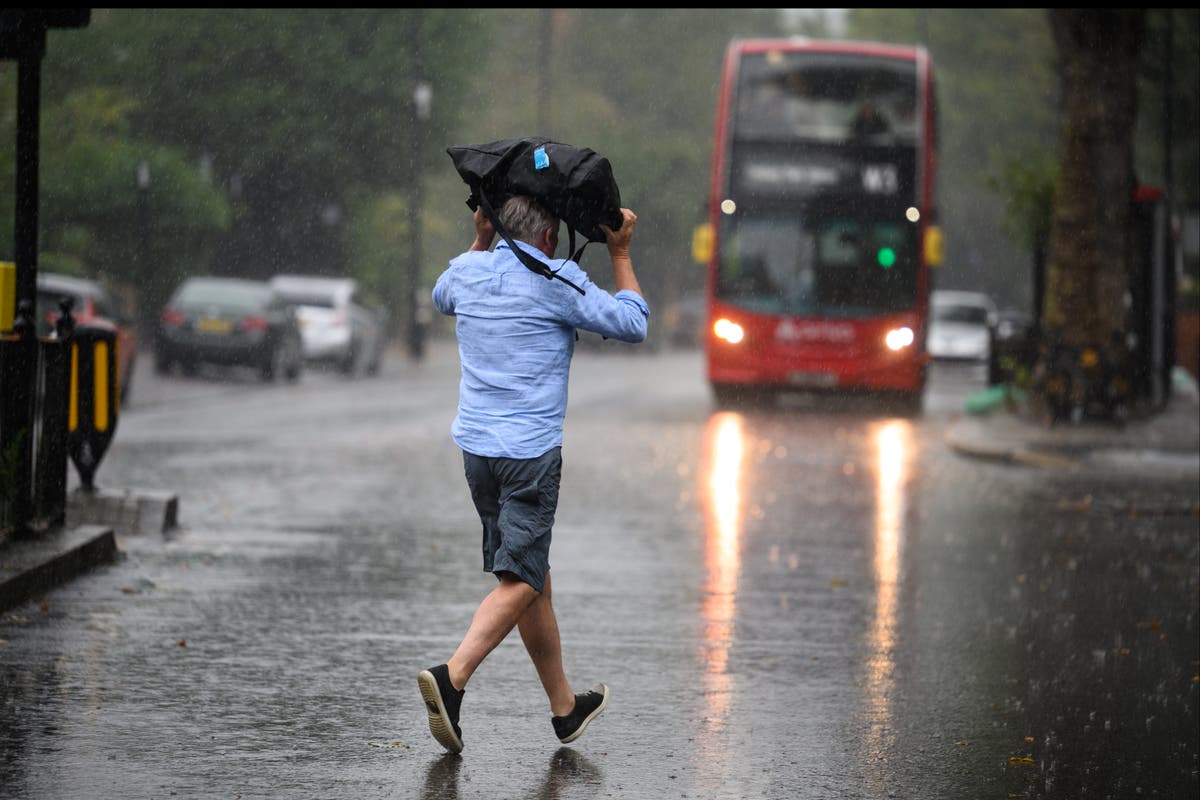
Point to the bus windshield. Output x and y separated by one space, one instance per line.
825 97
809 264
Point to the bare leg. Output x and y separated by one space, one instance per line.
495 618
539 632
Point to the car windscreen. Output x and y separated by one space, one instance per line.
305 299
233 297
973 315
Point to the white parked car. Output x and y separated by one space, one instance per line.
335 326
960 325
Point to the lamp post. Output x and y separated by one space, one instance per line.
142 180
422 105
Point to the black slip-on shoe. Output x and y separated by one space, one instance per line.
442 701
587 707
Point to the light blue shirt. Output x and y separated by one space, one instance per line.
516 337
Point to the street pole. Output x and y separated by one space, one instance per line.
19 370
23 37
422 105
142 174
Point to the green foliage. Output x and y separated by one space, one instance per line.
1026 182
95 220
297 114
89 215
379 239
288 138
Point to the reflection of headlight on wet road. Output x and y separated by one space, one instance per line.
899 338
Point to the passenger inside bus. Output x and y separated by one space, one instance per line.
868 121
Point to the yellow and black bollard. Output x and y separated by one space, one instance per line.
8 294
92 406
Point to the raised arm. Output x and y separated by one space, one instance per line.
485 232
618 252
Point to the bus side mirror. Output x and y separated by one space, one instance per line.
702 243
933 246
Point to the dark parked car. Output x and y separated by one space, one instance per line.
229 321
91 305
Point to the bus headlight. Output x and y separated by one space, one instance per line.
899 338
728 330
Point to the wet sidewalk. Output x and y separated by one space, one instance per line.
32 565
29 567
1166 441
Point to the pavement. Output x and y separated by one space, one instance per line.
1166 441
30 566
94 521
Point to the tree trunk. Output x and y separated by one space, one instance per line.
1089 256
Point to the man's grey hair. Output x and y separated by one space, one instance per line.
526 220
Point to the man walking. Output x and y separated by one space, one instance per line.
516 337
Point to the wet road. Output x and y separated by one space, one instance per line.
817 600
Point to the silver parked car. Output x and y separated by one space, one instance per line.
335 325
960 325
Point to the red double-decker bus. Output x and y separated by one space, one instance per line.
821 219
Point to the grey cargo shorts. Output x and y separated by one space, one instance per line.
516 499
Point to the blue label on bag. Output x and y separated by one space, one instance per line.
540 159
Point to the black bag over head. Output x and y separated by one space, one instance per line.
573 183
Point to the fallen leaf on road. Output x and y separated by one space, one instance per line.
1020 760
1082 504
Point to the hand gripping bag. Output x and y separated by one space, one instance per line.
573 183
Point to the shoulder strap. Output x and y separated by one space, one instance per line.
529 261
574 254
